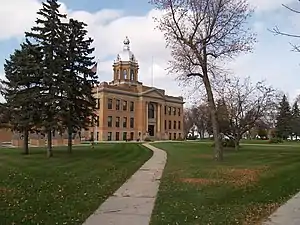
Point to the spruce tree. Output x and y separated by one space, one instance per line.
295 120
48 35
284 119
77 102
21 90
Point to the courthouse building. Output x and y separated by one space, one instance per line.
126 110
129 110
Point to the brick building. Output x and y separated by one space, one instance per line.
126 109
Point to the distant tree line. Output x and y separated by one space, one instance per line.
48 83
247 110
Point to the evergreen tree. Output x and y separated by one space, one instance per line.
48 35
295 119
284 119
77 102
21 91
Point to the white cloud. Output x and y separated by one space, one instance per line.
16 17
268 5
109 28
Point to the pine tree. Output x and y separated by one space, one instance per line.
284 119
295 120
21 91
77 102
48 36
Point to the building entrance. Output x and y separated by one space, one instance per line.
151 130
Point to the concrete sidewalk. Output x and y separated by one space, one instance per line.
287 214
133 202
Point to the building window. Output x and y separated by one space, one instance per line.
131 135
178 111
124 136
131 122
97 136
170 136
109 121
125 122
97 103
117 121
118 104
179 135
170 125
179 125
174 136
109 103
169 110
125 105
109 136
125 74
174 111
165 110
151 111
117 136
131 74
174 127
131 106
165 124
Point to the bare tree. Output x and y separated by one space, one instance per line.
246 104
202 34
276 30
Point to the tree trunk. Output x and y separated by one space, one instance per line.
70 140
26 138
49 147
218 155
237 144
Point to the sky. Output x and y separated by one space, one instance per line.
109 22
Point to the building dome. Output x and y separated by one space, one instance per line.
126 55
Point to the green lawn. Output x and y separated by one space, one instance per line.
65 189
244 189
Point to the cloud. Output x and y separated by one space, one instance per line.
109 27
268 5
16 17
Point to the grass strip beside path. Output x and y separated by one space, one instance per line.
65 189
244 189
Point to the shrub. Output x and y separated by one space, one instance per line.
191 138
229 143
275 140
180 139
147 139
226 143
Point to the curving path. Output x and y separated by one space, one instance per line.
133 202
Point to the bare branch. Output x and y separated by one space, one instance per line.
291 9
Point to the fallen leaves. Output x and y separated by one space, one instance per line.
202 181
4 190
258 211
234 176
204 156
240 177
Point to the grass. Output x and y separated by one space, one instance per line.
65 189
244 189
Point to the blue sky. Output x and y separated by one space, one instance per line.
110 21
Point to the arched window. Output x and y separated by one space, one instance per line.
151 111
125 74
131 74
